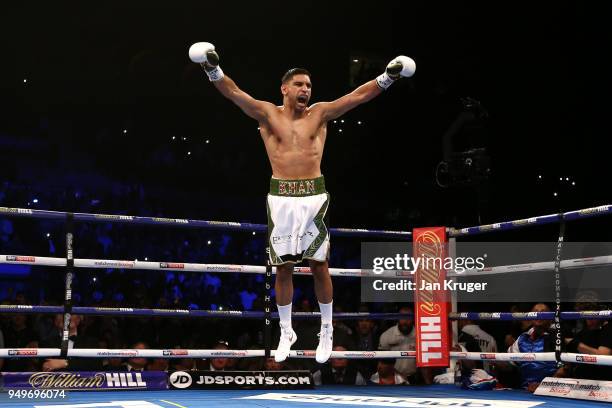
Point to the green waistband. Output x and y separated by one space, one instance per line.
297 188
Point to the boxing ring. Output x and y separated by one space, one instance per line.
436 395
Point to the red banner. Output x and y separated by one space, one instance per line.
430 298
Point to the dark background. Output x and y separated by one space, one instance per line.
541 71
100 105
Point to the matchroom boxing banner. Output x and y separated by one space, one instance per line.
430 299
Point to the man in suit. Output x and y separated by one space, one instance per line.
75 340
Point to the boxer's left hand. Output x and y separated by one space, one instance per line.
401 66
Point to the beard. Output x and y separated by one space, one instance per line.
404 328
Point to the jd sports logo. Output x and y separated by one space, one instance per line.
180 379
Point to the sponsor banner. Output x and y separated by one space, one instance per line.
86 380
356 400
431 302
17 258
576 388
23 353
7 210
184 380
115 264
171 265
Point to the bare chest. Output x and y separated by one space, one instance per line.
296 133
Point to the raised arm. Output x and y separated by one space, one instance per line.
205 54
400 67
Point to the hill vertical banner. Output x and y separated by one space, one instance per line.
431 299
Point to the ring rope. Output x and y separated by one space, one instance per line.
305 354
224 225
299 270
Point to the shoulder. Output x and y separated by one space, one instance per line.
391 331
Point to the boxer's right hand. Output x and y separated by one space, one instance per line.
204 53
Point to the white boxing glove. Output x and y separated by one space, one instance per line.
204 54
401 66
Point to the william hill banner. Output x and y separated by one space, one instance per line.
86 381
430 299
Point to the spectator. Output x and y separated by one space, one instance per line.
158 364
486 342
76 340
270 364
219 363
535 340
19 335
595 338
386 374
137 363
338 371
343 334
114 364
183 364
401 337
365 339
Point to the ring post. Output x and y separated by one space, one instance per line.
68 285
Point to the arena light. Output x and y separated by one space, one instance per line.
207 141
35 201
208 242
359 122
124 131
25 81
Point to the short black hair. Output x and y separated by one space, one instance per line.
292 72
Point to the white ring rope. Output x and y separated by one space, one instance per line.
306 354
355 272
165 266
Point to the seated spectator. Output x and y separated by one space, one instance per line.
137 363
338 371
486 342
342 333
517 327
114 364
535 340
183 364
386 374
158 364
19 335
595 338
270 364
365 339
76 340
401 337
219 363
